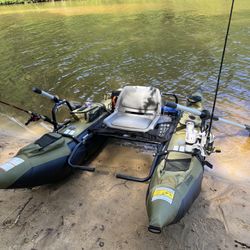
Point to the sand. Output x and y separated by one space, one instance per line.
98 211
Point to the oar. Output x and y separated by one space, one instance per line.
205 113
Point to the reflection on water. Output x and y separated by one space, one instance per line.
85 48
233 162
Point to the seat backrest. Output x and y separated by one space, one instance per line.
139 100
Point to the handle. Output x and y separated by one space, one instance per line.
45 94
183 108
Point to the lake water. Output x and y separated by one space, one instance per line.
80 49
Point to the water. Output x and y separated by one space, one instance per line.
84 49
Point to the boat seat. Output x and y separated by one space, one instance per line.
138 109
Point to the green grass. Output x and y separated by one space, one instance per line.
8 2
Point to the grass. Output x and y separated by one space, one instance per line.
9 2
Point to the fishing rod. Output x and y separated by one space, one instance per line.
57 104
33 116
220 70
205 114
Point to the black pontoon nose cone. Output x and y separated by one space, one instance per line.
154 229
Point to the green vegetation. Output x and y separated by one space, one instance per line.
8 2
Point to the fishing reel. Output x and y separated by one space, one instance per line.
33 118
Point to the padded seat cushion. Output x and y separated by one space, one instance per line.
130 121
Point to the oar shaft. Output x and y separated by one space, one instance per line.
244 126
183 108
199 113
216 118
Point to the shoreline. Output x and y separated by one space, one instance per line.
96 210
19 2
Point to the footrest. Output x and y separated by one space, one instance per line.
208 164
84 168
132 178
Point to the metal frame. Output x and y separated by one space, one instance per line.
161 152
81 167
55 109
157 158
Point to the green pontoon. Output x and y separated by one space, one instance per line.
133 113
176 182
181 135
45 160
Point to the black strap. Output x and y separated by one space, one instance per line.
46 140
69 136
